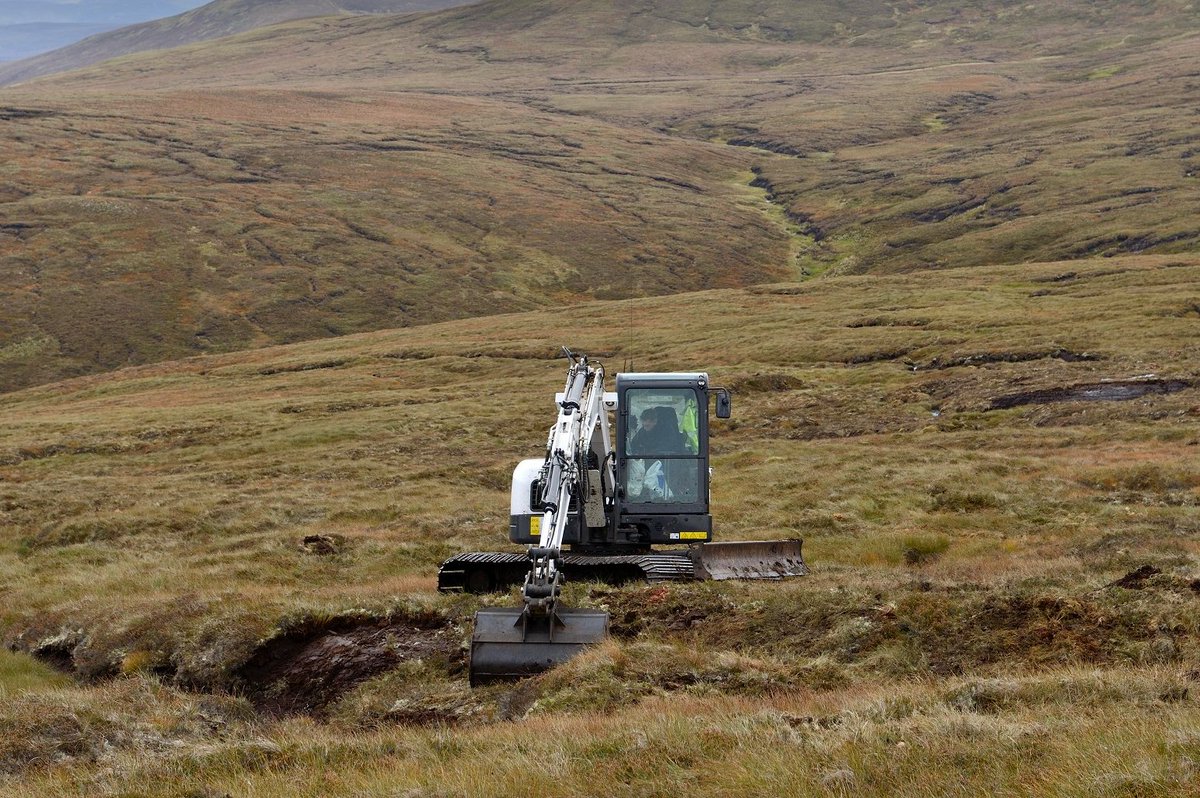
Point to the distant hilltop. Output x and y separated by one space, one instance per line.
33 27
214 20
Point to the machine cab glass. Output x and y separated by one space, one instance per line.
662 446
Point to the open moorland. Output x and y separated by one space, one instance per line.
341 174
280 312
996 471
392 212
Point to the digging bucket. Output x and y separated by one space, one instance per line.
507 645
749 559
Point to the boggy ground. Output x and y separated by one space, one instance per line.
995 470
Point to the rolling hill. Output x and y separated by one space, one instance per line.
211 21
311 180
280 311
237 220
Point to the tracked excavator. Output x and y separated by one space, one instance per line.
611 505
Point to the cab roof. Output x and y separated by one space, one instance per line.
663 376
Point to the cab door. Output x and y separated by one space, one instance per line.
662 461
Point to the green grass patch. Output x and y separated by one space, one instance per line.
1106 71
934 123
21 673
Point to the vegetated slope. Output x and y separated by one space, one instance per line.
761 139
1095 156
406 438
527 42
929 135
995 470
188 222
211 21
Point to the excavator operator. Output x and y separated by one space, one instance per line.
658 436
659 433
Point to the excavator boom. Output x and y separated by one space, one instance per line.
515 642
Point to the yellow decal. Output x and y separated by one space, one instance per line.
535 526
693 536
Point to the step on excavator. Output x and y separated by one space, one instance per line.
611 505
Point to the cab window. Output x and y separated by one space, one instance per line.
662 446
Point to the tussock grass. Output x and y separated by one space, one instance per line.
227 463
919 550
966 630
1010 736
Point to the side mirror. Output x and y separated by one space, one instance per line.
724 403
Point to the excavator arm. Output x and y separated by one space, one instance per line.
563 477
517 642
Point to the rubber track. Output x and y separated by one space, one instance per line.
507 569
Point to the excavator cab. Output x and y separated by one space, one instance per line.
662 459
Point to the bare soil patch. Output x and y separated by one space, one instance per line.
1115 391
306 669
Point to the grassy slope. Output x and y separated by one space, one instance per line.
210 221
923 138
1025 737
1024 162
153 517
210 21
960 635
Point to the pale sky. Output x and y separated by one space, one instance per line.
28 27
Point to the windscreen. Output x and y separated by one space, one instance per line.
662 446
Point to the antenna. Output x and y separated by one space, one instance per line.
629 355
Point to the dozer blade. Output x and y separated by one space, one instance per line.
750 559
507 646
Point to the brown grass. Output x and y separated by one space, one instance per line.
182 492
1015 735
1006 567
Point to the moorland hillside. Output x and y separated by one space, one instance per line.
312 179
307 286
211 21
